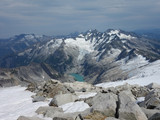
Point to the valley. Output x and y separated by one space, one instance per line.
111 75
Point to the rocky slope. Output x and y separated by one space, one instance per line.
97 56
79 101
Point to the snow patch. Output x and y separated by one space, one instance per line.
124 36
83 45
74 107
88 95
121 35
15 102
147 74
140 99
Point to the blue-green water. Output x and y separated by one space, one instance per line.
77 77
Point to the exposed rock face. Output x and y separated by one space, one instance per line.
152 99
61 99
129 110
150 112
52 88
105 103
38 98
80 86
48 111
153 86
155 117
119 103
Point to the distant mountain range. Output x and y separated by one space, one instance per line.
97 56
150 33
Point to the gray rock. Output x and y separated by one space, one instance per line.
105 103
61 99
158 107
152 100
153 86
38 98
28 118
124 87
150 112
74 116
95 115
155 117
128 109
142 104
110 89
48 111
61 118
71 90
111 118
139 91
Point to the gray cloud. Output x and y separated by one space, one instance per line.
65 16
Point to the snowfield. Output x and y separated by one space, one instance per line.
15 101
145 75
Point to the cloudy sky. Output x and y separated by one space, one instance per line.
53 17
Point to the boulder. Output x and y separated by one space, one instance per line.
95 116
123 87
71 90
158 107
52 88
152 100
81 86
139 91
105 103
38 99
28 118
142 104
110 89
155 117
150 112
61 99
128 109
73 116
48 111
153 86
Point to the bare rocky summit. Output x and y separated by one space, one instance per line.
116 103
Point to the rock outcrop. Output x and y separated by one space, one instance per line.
61 99
128 109
115 103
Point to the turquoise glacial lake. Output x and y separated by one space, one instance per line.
77 77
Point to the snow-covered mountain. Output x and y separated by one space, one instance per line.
19 43
98 56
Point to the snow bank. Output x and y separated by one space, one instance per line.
15 101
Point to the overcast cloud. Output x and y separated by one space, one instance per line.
52 17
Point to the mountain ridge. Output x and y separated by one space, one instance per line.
98 56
